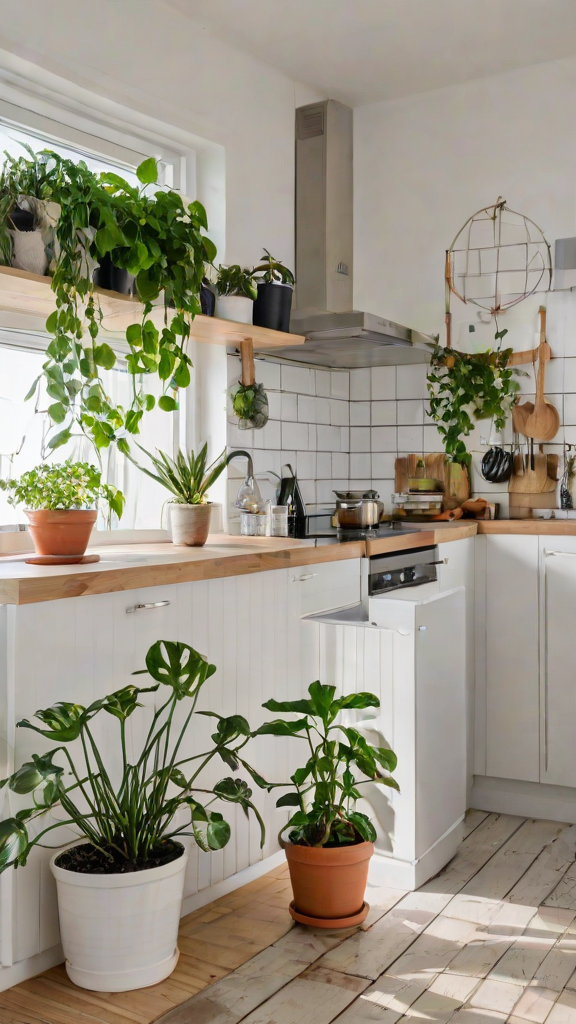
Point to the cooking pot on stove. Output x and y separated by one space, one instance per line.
358 509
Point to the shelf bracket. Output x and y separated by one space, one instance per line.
248 375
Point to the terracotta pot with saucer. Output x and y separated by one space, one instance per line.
61 535
329 884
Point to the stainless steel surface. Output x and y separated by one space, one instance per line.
146 607
402 569
336 335
353 495
362 513
249 498
305 576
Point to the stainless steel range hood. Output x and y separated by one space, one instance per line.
336 335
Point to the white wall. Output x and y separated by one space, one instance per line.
155 61
424 164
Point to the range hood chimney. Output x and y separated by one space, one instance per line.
336 335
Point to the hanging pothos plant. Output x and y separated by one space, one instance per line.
158 238
467 387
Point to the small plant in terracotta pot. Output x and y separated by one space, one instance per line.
60 502
188 478
330 842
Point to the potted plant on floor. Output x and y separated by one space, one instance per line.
120 888
330 842
188 478
275 285
61 502
236 293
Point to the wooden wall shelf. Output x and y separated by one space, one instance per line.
30 295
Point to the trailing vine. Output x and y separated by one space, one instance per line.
159 239
466 387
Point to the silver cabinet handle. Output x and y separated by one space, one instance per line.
304 576
565 554
142 607
422 629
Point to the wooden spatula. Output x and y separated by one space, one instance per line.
544 422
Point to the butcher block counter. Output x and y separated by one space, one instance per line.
127 567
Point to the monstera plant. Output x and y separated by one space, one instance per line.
130 815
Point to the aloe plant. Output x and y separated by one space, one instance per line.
326 788
187 477
131 821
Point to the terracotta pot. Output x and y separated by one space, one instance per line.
190 524
329 884
61 531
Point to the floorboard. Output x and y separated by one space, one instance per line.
490 940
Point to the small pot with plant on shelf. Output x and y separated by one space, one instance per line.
120 884
330 842
188 478
275 284
236 293
61 502
28 216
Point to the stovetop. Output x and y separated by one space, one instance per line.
342 536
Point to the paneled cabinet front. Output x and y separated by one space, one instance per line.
557 659
83 648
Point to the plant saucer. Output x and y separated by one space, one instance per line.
330 922
62 559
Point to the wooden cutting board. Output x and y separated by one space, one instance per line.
454 478
540 480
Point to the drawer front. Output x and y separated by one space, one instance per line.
327 585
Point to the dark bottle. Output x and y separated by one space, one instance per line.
291 496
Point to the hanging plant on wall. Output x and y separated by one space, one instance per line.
466 387
250 405
158 238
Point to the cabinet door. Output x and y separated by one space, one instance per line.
512 704
558 653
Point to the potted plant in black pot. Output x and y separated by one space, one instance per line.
236 293
120 884
273 303
330 842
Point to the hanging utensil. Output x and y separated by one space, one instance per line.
544 422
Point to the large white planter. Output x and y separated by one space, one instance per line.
235 307
190 524
120 932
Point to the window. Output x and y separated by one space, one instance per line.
23 425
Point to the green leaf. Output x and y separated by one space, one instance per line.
363 826
288 800
178 665
280 728
134 334
303 707
322 697
57 412
359 700
59 439
147 171
32 390
217 834
182 376
52 322
13 841
64 721
104 356
167 404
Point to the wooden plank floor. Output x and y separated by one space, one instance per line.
491 939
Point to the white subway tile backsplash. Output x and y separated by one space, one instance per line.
570 410
383 380
299 379
410 412
410 439
306 465
340 464
383 464
329 438
233 369
359 385
289 407
267 374
325 491
323 466
383 414
411 380
345 439
339 412
238 438
306 409
275 405
323 410
296 435
384 439
323 383
359 439
340 384
433 441
312 437
308 491
360 465
269 437
359 414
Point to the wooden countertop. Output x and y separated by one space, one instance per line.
543 527
132 566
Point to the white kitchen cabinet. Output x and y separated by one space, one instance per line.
507 700
79 649
557 659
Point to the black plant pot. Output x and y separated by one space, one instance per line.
113 278
22 220
272 307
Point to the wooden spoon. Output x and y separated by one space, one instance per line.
542 424
520 414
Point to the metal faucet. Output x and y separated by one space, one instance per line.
249 497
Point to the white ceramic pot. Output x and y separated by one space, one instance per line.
29 251
120 932
190 524
235 307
